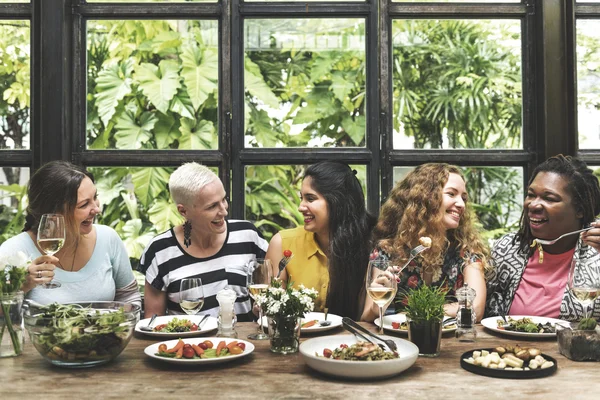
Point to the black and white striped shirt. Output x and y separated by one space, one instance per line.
165 263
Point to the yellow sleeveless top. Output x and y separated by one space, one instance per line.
308 266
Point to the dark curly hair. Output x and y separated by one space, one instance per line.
349 231
582 185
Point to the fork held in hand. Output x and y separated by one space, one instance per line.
283 263
352 326
548 242
413 253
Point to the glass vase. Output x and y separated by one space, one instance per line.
284 333
11 327
427 335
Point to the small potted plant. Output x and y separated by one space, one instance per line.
425 313
580 341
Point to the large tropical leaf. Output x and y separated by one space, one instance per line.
135 238
200 72
182 105
112 85
342 84
355 128
131 134
160 83
166 131
149 183
256 85
201 136
163 215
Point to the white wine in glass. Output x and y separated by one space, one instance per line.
51 236
191 295
258 280
584 282
381 286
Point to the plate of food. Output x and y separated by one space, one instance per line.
397 323
189 351
176 326
523 325
347 357
310 322
510 362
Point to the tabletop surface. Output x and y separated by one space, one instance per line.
263 374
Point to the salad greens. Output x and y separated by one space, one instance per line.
526 325
74 332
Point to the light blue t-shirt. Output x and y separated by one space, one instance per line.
107 270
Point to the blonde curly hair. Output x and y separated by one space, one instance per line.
412 210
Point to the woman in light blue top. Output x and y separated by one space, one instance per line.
93 264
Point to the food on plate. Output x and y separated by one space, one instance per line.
425 241
310 323
510 358
360 351
176 325
201 350
403 326
526 325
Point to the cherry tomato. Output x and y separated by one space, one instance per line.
203 346
343 346
209 344
188 352
396 325
242 345
162 348
235 350
194 327
327 353
160 327
287 253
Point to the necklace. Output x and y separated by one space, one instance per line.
72 263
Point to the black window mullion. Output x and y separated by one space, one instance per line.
237 183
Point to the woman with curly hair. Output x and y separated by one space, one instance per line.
431 201
563 196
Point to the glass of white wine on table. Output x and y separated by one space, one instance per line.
258 279
191 295
381 286
51 236
584 282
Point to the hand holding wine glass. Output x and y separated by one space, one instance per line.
584 282
258 280
381 286
51 237
191 295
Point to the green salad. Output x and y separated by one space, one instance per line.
526 325
360 351
71 332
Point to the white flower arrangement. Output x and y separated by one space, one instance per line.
290 302
13 271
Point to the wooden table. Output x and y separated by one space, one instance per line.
266 375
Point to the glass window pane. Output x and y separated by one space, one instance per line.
588 80
305 82
495 193
13 200
457 84
273 196
15 72
152 84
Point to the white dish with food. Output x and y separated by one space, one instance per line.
310 318
491 323
207 326
394 323
312 353
152 350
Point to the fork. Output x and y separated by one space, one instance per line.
149 328
283 263
413 253
548 242
353 327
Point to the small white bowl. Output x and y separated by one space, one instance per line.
312 352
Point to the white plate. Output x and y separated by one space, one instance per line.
336 321
400 318
356 369
492 324
209 325
153 349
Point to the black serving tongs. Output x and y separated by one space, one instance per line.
355 328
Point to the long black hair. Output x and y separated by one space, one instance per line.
582 185
53 189
349 234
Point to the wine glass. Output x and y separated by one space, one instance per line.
381 286
191 295
51 236
584 282
258 279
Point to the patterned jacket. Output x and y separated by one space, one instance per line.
509 263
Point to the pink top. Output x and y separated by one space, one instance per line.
542 285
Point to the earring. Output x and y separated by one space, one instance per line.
187 233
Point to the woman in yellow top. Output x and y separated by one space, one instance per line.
331 251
